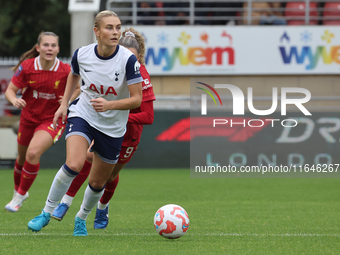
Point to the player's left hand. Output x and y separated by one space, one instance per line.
60 99
100 104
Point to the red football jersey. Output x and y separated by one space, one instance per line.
41 89
134 131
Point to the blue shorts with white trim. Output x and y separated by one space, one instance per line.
107 147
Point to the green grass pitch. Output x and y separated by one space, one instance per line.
227 216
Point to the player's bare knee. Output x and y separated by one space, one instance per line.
33 156
75 165
98 185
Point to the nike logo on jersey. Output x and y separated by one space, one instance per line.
31 82
133 140
86 71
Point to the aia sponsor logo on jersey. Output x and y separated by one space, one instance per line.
103 91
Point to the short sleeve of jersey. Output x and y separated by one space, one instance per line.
19 78
132 71
74 63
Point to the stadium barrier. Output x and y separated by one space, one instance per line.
151 153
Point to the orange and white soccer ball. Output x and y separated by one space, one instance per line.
171 221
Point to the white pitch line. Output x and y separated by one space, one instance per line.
152 234
70 234
287 234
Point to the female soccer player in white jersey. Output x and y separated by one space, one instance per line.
111 86
143 115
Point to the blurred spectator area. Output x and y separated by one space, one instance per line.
230 12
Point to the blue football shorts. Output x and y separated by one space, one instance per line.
107 147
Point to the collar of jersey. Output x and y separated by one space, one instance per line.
37 64
105 58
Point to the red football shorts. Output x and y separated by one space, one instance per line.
126 154
25 133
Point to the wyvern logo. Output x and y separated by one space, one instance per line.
310 55
238 100
197 56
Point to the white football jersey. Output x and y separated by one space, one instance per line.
106 77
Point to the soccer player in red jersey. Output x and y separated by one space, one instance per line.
138 117
42 78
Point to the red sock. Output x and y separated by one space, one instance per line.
79 180
109 191
17 175
29 173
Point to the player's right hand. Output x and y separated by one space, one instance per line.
19 103
62 111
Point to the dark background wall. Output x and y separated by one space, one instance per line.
151 153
